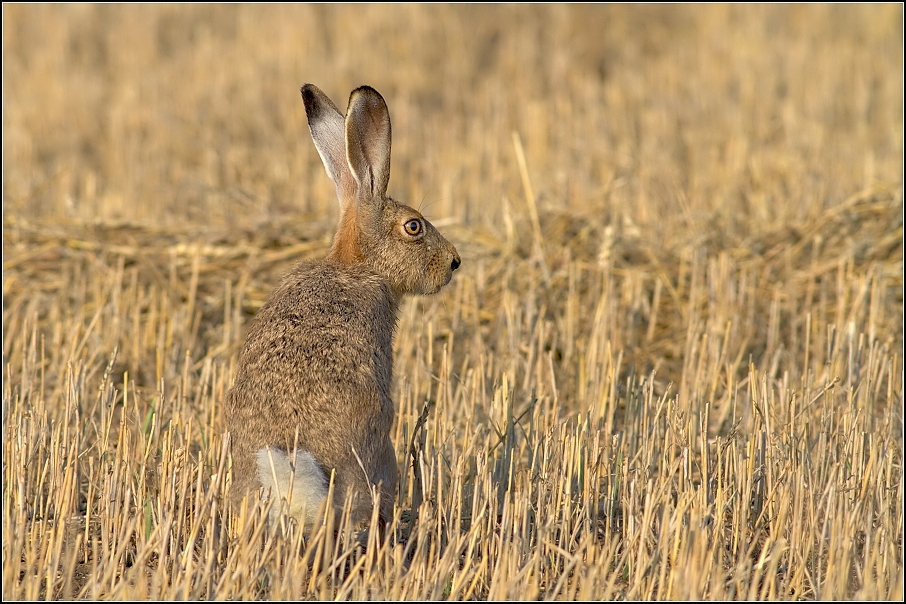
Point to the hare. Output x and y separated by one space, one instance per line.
311 398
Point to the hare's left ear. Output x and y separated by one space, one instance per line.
328 130
368 142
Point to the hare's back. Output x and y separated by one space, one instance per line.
315 375
327 326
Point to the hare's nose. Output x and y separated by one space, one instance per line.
456 262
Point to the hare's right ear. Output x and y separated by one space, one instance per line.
328 130
368 142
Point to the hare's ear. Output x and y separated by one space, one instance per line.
368 141
328 130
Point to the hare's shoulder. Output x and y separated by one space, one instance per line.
318 295
322 319
316 282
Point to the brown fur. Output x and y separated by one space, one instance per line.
345 246
316 369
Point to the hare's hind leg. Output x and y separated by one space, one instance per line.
299 480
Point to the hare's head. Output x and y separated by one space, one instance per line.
391 238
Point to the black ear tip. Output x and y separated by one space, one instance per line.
368 92
309 97
368 97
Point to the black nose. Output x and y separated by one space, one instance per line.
455 264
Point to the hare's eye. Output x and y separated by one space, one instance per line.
413 227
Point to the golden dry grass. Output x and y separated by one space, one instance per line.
670 366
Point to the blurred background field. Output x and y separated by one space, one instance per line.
670 366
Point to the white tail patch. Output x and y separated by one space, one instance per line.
277 469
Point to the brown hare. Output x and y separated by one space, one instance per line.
312 393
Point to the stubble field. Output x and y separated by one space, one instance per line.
669 367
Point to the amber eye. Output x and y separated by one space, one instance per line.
413 227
